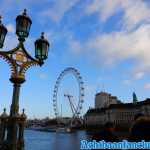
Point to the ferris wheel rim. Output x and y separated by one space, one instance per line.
79 79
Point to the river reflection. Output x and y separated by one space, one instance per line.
35 140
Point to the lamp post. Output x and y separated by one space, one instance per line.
19 61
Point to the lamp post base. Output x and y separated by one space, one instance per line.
15 136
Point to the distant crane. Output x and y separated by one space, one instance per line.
72 105
75 119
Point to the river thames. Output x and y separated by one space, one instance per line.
35 140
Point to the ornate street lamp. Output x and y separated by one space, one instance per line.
3 32
41 48
19 61
23 24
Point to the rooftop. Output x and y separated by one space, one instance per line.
121 105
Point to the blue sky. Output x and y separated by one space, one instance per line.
108 41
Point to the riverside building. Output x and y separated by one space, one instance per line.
109 108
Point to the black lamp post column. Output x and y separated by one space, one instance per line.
15 98
20 61
12 135
3 119
21 131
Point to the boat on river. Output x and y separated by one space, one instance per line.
63 130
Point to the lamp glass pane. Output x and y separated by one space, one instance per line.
43 49
20 28
38 50
3 32
23 27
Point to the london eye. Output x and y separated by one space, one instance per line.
76 108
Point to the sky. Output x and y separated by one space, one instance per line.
107 41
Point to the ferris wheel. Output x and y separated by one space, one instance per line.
80 100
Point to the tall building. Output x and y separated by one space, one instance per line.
103 100
109 108
135 100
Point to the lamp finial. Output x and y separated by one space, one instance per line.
42 35
25 12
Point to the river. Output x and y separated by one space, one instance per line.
35 140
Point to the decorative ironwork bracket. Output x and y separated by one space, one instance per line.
19 61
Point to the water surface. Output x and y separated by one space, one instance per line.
35 140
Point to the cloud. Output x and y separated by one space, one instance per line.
119 46
139 75
134 12
126 82
58 9
131 42
43 76
10 28
133 77
147 86
104 8
74 45
10 42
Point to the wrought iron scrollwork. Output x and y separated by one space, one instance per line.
19 61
